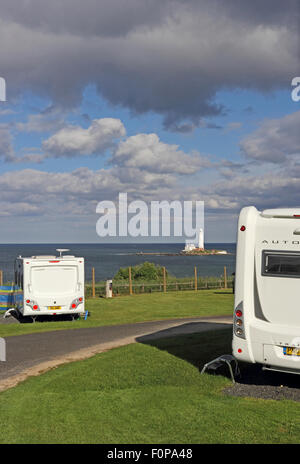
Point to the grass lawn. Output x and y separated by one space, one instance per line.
137 308
143 393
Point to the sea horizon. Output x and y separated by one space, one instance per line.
107 259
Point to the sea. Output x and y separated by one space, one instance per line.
108 258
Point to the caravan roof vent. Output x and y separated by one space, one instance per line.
44 257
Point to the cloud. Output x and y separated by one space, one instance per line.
147 152
166 56
232 126
274 189
275 140
75 141
6 147
72 196
67 193
48 120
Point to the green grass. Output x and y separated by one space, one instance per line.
137 308
143 394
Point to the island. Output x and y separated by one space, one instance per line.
190 249
194 252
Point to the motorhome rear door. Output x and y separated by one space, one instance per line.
54 280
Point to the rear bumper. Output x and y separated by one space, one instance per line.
264 344
27 311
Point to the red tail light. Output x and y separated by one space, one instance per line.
239 322
76 302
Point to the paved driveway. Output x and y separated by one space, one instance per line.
33 354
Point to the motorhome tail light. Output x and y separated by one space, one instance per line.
54 261
76 302
243 228
33 304
238 322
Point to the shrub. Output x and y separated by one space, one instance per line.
141 272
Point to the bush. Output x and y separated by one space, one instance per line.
141 272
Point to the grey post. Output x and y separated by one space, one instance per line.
2 349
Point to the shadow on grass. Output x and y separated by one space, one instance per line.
201 343
213 340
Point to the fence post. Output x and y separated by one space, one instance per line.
225 277
196 282
165 283
130 281
93 283
1 277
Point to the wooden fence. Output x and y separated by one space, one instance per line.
130 287
93 289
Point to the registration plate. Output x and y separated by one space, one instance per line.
290 351
54 307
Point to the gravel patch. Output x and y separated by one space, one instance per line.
8 320
257 383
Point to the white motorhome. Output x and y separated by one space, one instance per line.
49 285
266 326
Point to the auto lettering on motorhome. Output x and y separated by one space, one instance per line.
266 325
49 285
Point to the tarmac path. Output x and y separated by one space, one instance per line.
32 354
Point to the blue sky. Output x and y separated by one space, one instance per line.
246 109
181 104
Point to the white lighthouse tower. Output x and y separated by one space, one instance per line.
201 239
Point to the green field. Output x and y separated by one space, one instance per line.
144 393
137 308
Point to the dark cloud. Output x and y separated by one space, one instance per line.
166 56
104 18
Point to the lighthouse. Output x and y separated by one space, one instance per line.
201 239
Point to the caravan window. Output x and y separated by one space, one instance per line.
281 264
54 280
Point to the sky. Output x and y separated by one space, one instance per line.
165 100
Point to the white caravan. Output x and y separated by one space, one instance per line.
49 285
266 326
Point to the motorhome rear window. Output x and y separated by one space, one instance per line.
281 264
54 280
